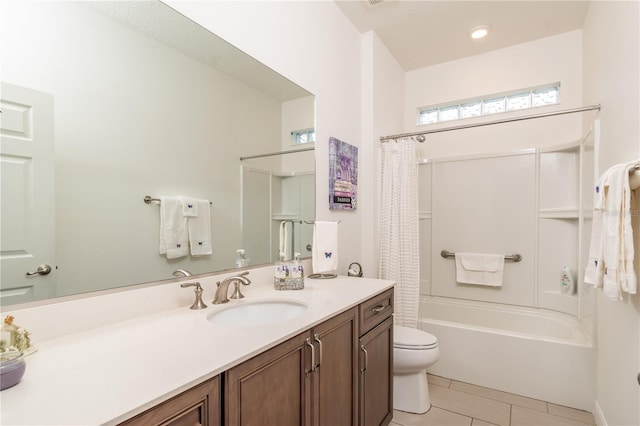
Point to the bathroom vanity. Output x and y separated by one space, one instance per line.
346 380
332 363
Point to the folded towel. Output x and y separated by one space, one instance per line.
200 230
189 207
173 228
480 269
324 254
611 251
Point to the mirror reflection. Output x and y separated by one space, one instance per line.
104 103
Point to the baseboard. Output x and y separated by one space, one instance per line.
598 415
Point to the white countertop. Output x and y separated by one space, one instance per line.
108 374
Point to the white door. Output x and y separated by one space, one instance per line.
27 194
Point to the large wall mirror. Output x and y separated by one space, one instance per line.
104 103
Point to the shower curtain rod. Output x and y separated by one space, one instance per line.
271 154
489 123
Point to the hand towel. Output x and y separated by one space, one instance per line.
189 207
324 254
173 228
480 269
611 251
200 230
283 240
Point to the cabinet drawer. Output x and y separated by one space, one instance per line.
199 405
375 310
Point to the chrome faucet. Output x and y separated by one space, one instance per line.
222 291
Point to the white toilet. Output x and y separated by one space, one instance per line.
413 351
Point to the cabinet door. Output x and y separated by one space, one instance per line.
376 375
335 380
271 388
199 405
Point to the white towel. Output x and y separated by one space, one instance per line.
324 254
189 206
173 228
200 230
611 252
480 269
283 240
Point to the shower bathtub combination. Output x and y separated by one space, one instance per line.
524 333
536 353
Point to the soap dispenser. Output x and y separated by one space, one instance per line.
280 273
241 259
567 284
297 273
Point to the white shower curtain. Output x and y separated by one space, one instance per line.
399 257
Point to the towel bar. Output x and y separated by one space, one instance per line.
513 257
148 200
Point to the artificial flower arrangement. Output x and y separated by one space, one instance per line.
13 337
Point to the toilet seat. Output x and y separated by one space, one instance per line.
411 338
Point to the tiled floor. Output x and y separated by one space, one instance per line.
461 404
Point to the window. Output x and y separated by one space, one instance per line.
493 104
303 136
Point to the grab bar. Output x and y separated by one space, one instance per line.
148 199
513 257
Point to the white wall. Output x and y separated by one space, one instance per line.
382 103
314 45
540 62
611 70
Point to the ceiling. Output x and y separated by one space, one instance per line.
160 22
420 33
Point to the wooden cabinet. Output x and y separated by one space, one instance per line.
271 388
199 405
335 379
376 360
310 379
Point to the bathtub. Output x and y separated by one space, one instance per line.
537 353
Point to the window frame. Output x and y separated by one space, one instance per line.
435 112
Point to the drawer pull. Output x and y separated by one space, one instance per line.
366 359
313 357
317 339
378 308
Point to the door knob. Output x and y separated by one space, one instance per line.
42 270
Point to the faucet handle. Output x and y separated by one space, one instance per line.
244 279
198 304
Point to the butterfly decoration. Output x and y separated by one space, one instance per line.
327 255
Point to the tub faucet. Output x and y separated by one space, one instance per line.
181 273
222 291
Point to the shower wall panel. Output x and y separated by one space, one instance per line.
485 205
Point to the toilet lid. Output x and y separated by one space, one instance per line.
411 338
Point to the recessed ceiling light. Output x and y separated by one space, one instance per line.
479 32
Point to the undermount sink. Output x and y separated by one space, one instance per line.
259 312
